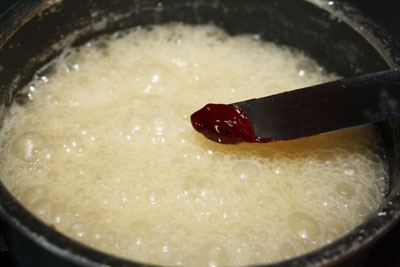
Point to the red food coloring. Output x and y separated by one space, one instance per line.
225 124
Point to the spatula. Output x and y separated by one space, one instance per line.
303 112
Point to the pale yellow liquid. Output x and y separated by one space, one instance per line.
103 150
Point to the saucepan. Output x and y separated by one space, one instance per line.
336 35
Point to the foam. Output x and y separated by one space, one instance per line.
103 150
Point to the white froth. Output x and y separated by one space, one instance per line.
104 151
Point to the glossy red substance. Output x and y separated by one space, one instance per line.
224 124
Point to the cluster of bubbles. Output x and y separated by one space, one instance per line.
100 146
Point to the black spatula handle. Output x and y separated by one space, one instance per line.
325 107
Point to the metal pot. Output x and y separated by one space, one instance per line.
338 36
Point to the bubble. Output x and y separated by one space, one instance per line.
78 229
286 250
41 206
213 254
34 193
338 228
53 175
154 197
93 215
73 61
96 231
330 236
136 123
58 211
307 66
28 146
196 187
346 190
341 154
179 259
326 157
257 253
244 170
160 125
278 170
103 243
75 210
264 202
179 228
55 100
349 171
218 158
73 145
193 153
184 111
156 76
303 226
141 227
362 211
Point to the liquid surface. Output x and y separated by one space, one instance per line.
101 146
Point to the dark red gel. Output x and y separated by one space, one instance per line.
224 124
